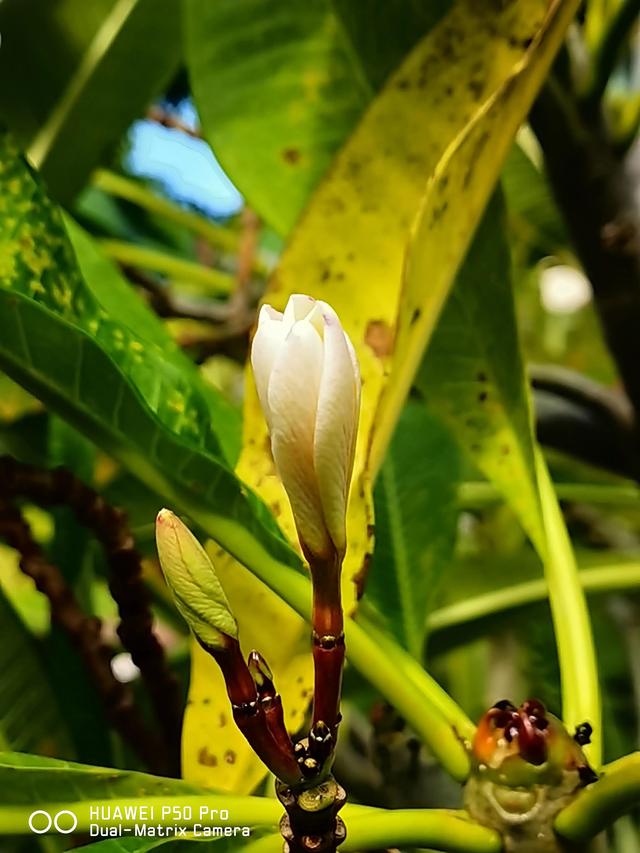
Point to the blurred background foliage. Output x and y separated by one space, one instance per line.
124 108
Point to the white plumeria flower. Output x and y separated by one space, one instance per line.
308 382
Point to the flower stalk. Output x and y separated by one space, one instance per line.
256 712
308 383
200 598
328 641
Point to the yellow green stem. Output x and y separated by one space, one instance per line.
476 495
605 578
599 805
433 828
571 622
138 193
177 268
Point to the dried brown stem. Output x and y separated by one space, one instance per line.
109 526
84 633
166 304
247 252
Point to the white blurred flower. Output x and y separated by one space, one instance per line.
564 289
308 382
123 668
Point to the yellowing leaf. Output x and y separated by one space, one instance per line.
15 402
460 187
349 250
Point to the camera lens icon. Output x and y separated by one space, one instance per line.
64 822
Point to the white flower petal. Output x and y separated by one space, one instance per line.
267 341
297 308
336 425
293 397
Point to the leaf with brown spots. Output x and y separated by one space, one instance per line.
521 40
279 86
349 246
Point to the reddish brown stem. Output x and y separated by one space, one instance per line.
250 716
328 641
270 701
312 830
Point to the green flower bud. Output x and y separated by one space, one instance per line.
192 579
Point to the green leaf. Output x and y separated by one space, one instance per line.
142 845
113 292
473 376
81 76
530 203
118 299
416 518
138 401
26 780
30 717
303 75
128 845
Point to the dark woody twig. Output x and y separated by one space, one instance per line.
223 330
166 304
109 526
584 419
311 823
84 633
594 191
170 120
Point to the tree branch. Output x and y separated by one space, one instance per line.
595 193
109 526
84 633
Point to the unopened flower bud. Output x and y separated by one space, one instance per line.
308 382
261 674
525 769
191 577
